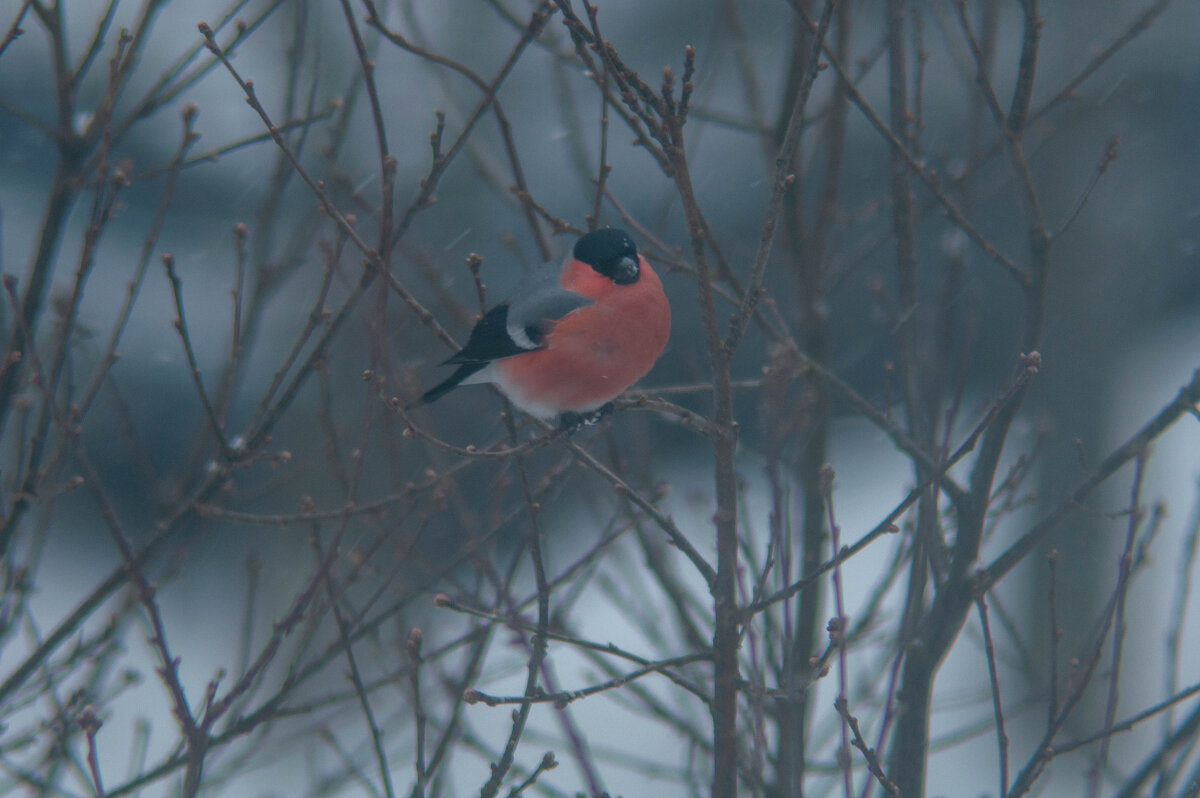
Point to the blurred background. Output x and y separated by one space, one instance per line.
497 130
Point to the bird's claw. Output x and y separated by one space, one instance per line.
573 422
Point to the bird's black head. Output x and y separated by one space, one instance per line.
610 252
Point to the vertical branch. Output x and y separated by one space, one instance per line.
413 645
920 402
1055 636
63 191
910 747
724 589
997 707
604 168
942 623
808 252
902 226
837 630
1018 111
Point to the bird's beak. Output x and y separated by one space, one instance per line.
625 271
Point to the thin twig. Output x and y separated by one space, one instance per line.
562 698
869 754
1125 565
837 628
180 324
15 30
1106 159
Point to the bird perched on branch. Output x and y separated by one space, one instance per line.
573 336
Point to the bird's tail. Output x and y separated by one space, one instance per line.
449 384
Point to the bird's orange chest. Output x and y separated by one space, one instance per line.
595 352
625 324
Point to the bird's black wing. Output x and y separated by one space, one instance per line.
507 330
489 340
521 326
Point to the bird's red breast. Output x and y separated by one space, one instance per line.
594 353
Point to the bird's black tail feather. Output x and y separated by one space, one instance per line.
450 383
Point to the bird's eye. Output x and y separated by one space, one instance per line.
534 333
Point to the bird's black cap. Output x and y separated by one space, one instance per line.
610 252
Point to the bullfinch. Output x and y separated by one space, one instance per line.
573 336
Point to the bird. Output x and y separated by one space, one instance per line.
573 336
